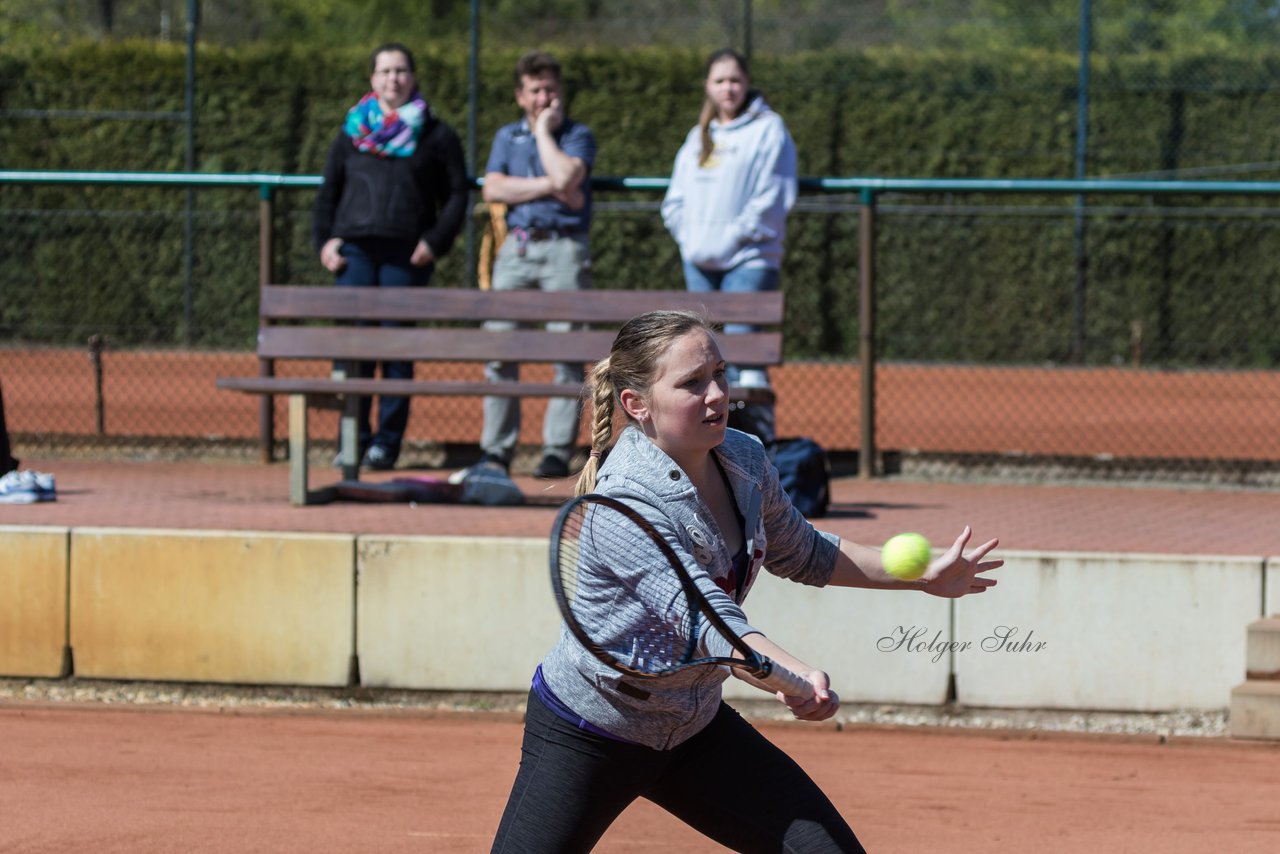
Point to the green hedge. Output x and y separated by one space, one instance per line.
978 279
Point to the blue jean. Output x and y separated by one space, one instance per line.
737 280
380 263
728 782
757 418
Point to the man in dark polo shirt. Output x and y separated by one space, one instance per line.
540 167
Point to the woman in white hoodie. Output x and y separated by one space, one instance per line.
733 183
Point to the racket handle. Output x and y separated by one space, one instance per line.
778 678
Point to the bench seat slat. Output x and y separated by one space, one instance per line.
521 345
331 385
318 302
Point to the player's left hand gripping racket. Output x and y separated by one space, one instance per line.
605 557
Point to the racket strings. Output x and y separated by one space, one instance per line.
622 591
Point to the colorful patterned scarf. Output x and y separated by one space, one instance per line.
392 135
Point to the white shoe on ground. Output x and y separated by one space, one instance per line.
752 378
17 489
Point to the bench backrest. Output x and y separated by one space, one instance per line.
602 311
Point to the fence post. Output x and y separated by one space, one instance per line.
99 402
266 273
189 228
867 334
1082 148
473 168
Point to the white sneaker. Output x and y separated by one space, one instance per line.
752 378
38 482
17 489
45 487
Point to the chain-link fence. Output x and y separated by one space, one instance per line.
111 352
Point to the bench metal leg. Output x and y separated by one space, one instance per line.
348 426
300 492
349 437
298 446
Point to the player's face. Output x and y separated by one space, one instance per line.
727 88
536 93
392 80
688 401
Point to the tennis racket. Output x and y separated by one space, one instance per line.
608 565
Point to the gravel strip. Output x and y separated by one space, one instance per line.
1177 723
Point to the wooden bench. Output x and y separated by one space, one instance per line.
316 322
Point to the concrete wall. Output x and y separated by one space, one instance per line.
211 606
33 601
1119 631
1063 630
453 613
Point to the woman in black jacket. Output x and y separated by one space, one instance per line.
392 202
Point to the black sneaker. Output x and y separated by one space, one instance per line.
551 467
378 458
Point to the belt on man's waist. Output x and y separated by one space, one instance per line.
540 234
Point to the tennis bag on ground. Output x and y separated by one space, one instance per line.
805 473
484 483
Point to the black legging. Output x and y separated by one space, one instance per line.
7 462
728 782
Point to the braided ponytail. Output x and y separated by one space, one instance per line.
632 363
602 396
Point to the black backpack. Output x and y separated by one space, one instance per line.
803 468
805 473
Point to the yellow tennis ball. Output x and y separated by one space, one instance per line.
906 556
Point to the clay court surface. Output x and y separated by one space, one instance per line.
93 778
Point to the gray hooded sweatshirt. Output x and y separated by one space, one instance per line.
733 209
662 713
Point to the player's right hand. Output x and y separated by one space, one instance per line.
820 706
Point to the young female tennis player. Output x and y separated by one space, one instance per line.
595 740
